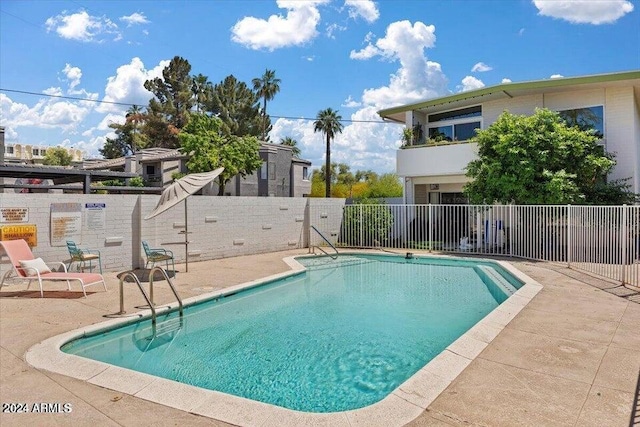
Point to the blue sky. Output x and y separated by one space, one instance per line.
353 56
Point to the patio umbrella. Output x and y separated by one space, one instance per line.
179 191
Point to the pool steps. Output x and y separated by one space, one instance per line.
492 279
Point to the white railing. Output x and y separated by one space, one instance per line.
603 240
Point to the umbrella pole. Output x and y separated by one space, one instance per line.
186 239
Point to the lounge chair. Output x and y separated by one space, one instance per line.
83 256
27 267
158 255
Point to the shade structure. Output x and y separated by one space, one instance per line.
178 192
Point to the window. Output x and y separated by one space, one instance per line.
150 170
305 173
585 118
463 113
8 150
263 171
36 152
455 125
272 170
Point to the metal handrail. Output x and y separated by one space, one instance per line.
173 289
328 242
144 294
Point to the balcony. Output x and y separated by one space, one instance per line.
446 158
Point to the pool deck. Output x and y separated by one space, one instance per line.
570 357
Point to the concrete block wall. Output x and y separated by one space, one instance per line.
219 226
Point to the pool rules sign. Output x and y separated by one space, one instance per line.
66 223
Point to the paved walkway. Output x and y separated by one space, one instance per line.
571 357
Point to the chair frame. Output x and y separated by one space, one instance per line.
82 256
158 255
19 250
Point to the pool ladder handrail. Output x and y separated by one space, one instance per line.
149 298
327 241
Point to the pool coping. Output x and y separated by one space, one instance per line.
401 406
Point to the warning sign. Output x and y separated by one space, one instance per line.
8 215
28 232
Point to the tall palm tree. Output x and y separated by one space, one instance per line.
290 142
328 122
266 87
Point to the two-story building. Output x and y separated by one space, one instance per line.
281 174
433 163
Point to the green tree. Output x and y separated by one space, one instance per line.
266 87
209 149
128 138
367 227
168 111
387 185
538 159
57 156
290 142
233 102
328 122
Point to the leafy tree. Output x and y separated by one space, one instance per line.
136 181
387 185
266 87
233 102
168 111
366 227
209 149
328 122
539 159
290 142
57 156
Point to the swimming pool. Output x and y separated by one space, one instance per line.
330 339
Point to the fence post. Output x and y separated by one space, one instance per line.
430 234
511 230
361 226
569 236
624 236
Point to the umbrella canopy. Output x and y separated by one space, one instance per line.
183 188
179 191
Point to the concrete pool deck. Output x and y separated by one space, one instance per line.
570 357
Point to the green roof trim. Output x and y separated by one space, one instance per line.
505 87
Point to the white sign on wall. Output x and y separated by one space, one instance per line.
95 215
13 215
66 223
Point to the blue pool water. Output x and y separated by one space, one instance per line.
340 336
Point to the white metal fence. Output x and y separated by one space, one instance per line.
603 240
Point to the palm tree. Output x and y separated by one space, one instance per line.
290 142
266 87
328 122
135 117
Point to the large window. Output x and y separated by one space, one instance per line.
586 118
455 125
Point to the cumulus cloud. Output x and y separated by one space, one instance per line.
45 114
332 28
365 9
584 11
481 67
470 83
556 76
135 19
73 75
127 86
417 78
53 91
506 80
351 103
296 28
82 27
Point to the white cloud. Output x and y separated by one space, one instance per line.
481 67
417 78
73 75
135 19
350 103
45 114
10 135
127 86
584 11
53 91
470 83
297 28
556 76
506 80
365 9
82 27
110 119
309 58
521 32
331 29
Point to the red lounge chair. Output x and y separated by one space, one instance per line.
27 267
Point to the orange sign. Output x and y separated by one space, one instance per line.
28 232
